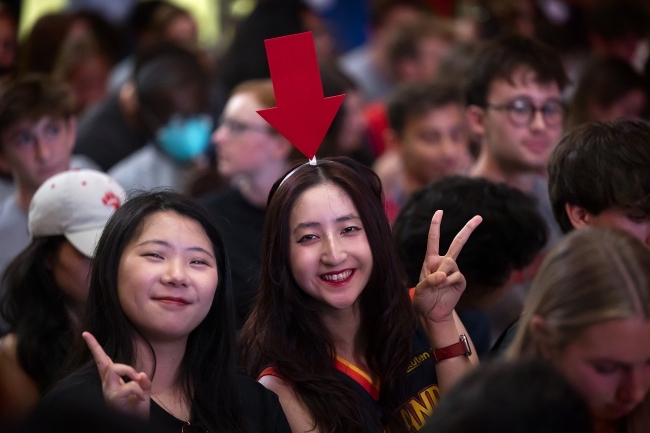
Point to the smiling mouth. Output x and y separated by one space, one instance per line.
172 300
337 277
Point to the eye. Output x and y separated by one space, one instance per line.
235 126
199 262
431 137
521 106
307 238
637 218
457 136
52 130
23 139
153 255
553 108
351 229
606 368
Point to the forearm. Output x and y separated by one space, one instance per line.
443 334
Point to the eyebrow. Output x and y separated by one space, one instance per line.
344 218
168 245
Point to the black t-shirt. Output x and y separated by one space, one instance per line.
261 407
241 225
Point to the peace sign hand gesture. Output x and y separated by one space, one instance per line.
441 283
131 397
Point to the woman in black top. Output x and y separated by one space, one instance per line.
160 325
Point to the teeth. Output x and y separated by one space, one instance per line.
337 277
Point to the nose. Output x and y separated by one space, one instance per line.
537 122
219 135
333 252
175 274
634 387
42 146
449 147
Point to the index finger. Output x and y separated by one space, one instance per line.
433 238
101 358
461 238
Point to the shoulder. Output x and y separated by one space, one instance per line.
18 391
140 170
10 212
261 406
83 386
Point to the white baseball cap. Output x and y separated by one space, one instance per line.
76 204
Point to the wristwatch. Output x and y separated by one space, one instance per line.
456 349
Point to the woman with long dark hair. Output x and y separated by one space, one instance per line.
333 331
160 313
45 286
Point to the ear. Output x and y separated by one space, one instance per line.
578 216
392 139
128 98
475 116
541 335
281 148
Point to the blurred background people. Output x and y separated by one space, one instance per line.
515 109
46 285
245 57
8 38
37 133
528 396
511 235
588 314
598 176
347 135
609 89
251 155
85 67
428 138
368 64
170 93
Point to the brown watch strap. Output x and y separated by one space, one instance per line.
456 349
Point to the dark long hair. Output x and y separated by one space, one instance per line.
208 369
34 307
284 328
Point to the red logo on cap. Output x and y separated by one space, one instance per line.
111 199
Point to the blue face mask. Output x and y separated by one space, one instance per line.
185 139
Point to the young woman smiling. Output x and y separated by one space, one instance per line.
333 331
160 314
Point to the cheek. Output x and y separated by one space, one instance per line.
591 385
298 264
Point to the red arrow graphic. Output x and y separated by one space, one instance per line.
302 115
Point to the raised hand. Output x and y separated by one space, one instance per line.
133 397
441 283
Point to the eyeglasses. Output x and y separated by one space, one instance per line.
193 428
237 127
522 111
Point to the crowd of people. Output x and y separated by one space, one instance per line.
468 251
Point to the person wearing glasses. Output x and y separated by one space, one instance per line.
159 327
514 109
252 156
